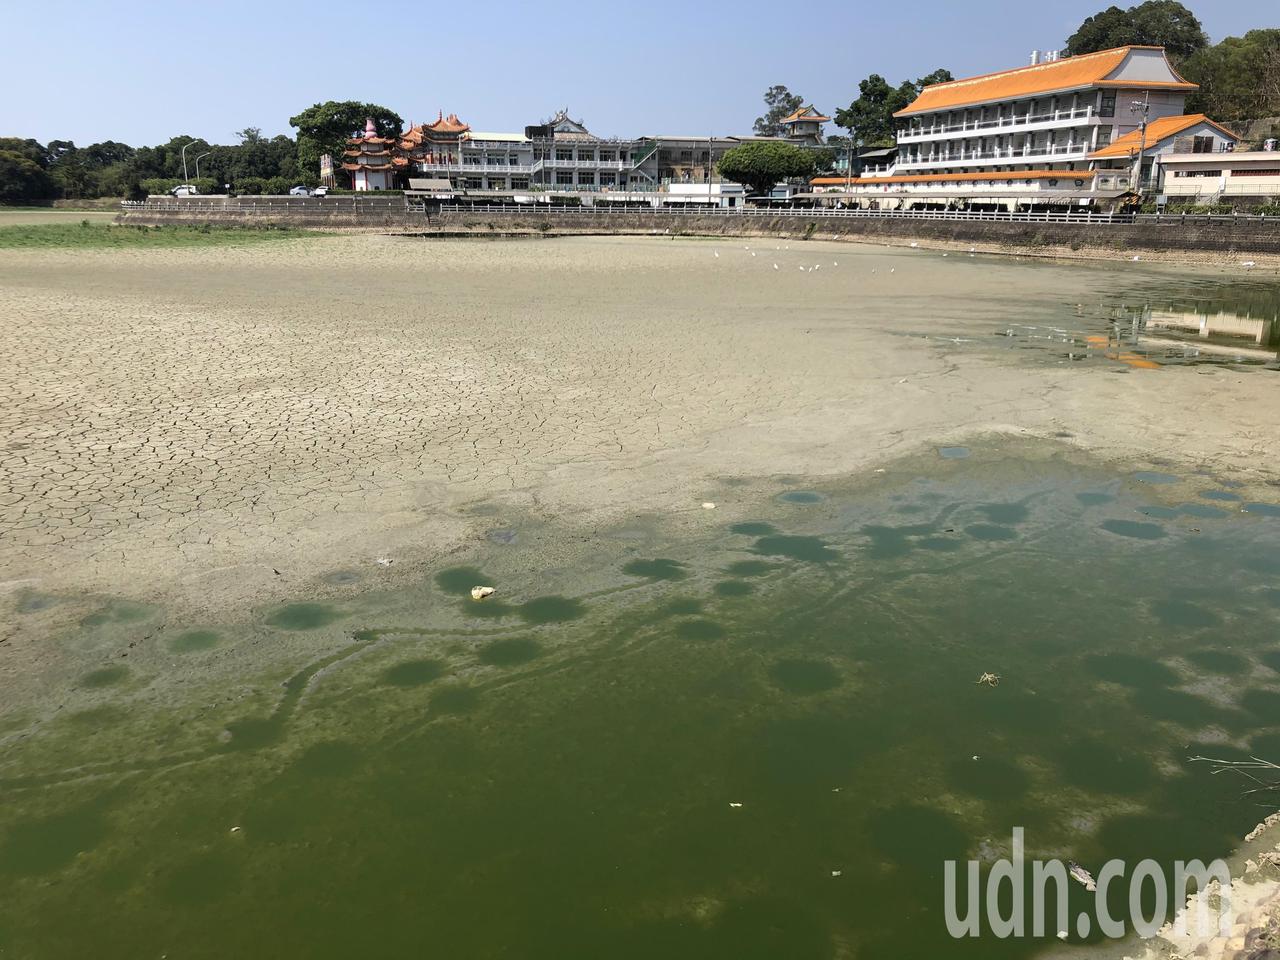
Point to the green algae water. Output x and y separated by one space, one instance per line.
758 738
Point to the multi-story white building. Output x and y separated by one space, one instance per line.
1042 134
1046 116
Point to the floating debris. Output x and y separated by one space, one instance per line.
990 679
836 873
734 805
708 505
1081 876
384 561
481 593
235 829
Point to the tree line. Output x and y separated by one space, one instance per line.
33 172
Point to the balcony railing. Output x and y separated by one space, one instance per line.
1001 123
1008 155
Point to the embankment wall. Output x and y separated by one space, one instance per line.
1222 237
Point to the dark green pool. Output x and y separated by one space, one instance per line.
551 775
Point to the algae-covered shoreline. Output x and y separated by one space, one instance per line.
787 650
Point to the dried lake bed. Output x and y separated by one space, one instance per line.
220 704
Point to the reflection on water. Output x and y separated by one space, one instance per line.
560 780
1167 323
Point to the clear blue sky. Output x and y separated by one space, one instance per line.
142 72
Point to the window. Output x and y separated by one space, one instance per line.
606 156
1271 172
1203 173
1202 144
474 183
564 154
686 156
587 156
564 178
1104 137
1108 108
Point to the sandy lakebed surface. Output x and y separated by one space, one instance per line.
234 436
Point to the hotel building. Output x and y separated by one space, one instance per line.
1056 132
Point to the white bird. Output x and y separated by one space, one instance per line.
1136 259
753 253
816 266
946 254
717 253
802 269
775 266
735 805
1248 264
835 263
893 269
914 244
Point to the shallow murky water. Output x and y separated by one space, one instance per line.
1159 321
554 774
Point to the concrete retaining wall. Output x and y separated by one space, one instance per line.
387 214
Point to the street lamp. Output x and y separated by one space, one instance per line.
205 154
711 147
1140 108
184 160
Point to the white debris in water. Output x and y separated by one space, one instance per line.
734 805
708 505
235 829
384 561
836 873
481 593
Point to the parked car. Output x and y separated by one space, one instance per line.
185 190
320 192
299 191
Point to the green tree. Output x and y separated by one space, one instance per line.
1239 78
869 118
760 165
30 149
250 135
23 180
325 127
1158 23
781 103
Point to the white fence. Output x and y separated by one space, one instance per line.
394 204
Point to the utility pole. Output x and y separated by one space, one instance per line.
1140 108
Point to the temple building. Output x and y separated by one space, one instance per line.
369 161
805 126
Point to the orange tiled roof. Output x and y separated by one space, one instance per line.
1090 69
805 113
449 124
1157 132
955 177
